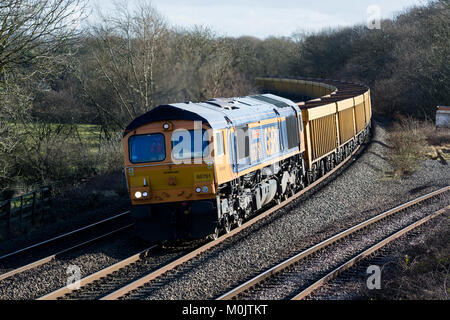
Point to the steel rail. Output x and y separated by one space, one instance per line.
155 274
98 275
65 235
333 274
49 258
305 253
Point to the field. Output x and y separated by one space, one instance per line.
60 154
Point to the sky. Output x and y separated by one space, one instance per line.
264 18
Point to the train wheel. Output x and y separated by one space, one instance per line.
340 155
291 192
322 168
302 183
315 174
247 213
239 222
328 164
308 178
227 225
214 235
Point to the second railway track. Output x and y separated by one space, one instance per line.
42 252
29 272
300 275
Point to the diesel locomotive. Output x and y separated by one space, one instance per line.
195 169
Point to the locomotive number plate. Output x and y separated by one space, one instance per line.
202 176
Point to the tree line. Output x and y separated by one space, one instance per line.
56 75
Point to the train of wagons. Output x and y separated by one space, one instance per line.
194 170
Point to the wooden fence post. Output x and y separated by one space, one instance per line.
49 202
8 216
33 209
21 213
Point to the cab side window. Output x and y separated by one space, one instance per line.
219 144
243 143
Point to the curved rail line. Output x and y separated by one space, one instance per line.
49 258
344 234
62 237
98 275
333 274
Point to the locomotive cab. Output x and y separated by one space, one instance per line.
169 167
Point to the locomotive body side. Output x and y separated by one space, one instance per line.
244 161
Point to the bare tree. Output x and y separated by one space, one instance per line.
204 66
32 29
14 105
33 36
137 62
125 59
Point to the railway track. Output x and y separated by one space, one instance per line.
130 274
45 251
99 284
298 276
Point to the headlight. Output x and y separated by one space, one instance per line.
205 189
198 189
138 194
144 194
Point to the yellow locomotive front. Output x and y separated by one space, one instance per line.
171 181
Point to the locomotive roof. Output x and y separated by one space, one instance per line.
220 113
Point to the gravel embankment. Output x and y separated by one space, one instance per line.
361 191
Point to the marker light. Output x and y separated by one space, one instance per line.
198 189
138 194
166 126
205 189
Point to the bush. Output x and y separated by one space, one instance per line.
408 145
110 155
